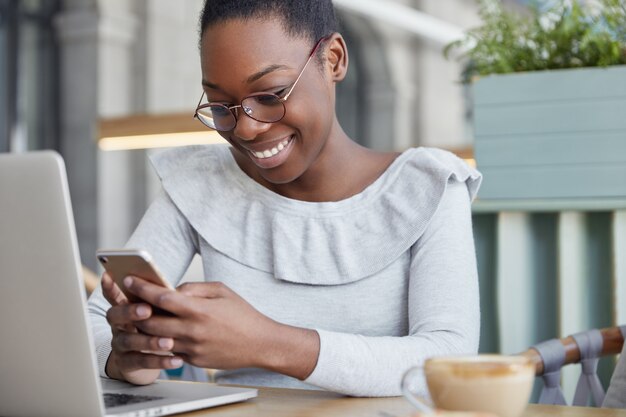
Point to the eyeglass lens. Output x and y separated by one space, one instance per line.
267 108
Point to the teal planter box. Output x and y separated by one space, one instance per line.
552 134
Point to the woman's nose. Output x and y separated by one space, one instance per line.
247 128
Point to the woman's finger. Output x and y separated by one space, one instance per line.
127 314
136 342
112 292
137 360
214 289
158 296
164 326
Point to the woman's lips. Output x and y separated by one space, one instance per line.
272 157
268 153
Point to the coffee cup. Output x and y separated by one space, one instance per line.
498 384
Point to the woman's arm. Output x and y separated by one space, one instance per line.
166 235
214 327
443 304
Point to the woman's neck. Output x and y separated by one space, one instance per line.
343 169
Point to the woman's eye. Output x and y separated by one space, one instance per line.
267 99
281 93
219 111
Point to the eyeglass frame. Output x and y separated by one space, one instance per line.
282 100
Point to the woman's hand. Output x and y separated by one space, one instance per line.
213 327
128 360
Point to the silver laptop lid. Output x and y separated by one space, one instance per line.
45 334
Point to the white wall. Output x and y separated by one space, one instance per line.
172 65
428 101
173 62
442 119
400 49
149 63
118 31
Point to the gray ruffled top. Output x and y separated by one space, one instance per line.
355 237
386 277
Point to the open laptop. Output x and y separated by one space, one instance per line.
47 357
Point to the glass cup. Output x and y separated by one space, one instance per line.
497 384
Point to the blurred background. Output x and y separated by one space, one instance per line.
107 82
75 71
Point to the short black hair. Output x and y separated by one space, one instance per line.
306 19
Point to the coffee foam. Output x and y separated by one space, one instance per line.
480 366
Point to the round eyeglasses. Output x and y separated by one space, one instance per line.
262 107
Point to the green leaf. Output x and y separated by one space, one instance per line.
562 34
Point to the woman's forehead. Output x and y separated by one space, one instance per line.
250 45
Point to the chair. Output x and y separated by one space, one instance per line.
585 348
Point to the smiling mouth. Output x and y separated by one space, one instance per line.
268 153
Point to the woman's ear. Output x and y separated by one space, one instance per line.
337 57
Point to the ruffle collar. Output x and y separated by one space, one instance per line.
328 243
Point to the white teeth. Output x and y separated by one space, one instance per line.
271 152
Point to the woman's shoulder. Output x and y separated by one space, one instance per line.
428 158
426 170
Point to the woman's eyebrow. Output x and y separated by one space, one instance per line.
254 77
210 85
264 72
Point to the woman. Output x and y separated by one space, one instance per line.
326 264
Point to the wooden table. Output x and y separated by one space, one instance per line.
275 402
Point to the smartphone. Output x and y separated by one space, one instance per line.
120 263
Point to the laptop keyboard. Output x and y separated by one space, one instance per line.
117 400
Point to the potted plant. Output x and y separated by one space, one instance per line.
549 90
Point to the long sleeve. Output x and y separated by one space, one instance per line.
167 236
443 304
387 277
